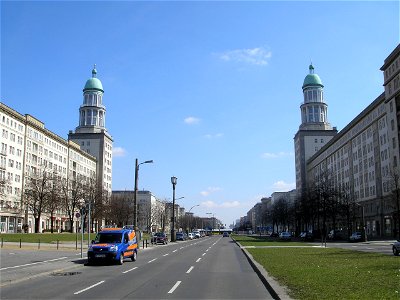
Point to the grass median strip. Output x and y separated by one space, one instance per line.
328 273
312 273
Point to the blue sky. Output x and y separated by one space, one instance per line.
208 90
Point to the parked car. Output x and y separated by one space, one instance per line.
396 248
161 237
225 234
336 235
196 234
191 236
356 237
274 234
285 236
181 236
306 236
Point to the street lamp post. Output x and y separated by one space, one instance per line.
190 216
135 215
173 181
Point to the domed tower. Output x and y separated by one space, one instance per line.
314 131
91 134
92 113
314 111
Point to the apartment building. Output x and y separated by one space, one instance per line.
363 158
28 148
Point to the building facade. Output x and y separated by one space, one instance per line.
363 159
27 149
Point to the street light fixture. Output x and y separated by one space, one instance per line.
135 215
173 181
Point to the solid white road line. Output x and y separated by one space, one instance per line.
174 287
88 288
190 269
130 270
31 264
198 259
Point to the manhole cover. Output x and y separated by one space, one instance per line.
65 273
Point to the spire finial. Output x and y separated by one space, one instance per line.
311 68
94 71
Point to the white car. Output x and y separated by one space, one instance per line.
190 236
196 234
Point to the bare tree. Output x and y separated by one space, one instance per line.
121 210
394 183
37 191
72 196
54 198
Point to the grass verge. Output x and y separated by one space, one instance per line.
329 273
48 237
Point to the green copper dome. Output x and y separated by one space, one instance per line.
93 83
312 79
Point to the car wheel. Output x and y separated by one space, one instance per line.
134 256
395 251
121 258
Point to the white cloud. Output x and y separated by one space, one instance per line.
256 56
268 155
227 204
210 190
118 152
191 120
214 136
281 186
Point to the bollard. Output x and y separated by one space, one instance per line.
20 242
1 242
147 243
143 245
39 244
76 243
57 244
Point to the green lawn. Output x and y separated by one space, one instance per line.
47 237
330 273
264 241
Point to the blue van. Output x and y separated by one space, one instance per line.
113 244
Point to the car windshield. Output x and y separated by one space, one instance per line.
108 238
160 234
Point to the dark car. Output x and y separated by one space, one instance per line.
336 235
225 234
306 236
274 234
181 236
285 236
356 237
396 248
161 237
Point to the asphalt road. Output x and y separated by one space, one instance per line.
208 268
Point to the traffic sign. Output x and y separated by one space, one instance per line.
77 215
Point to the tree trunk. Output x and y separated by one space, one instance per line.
37 224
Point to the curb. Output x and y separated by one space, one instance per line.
277 291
